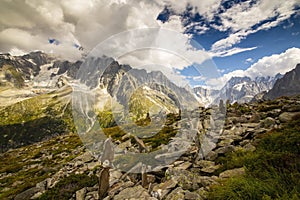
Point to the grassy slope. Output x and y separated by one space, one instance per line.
272 171
35 119
44 159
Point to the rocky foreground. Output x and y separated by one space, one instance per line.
61 168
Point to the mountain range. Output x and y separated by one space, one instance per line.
238 89
38 72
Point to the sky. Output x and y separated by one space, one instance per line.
206 43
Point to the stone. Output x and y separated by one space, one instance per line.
27 194
224 150
176 194
119 187
184 165
255 118
189 180
142 146
164 188
249 147
137 192
225 142
94 195
210 169
114 176
103 183
80 194
211 155
125 145
287 116
42 186
92 165
191 196
36 195
204 163
232 173
244 142
268 122
291 108
85 157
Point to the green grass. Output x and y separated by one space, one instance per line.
17 160
35 119
272 171
68 186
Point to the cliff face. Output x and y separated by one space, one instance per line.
288 85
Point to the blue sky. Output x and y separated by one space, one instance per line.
272 34
268 42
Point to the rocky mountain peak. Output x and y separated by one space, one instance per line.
288 85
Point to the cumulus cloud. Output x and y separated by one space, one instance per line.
246 18
266 66
207 8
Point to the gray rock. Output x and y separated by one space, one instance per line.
114 177
291 108
176 194
103 182
287 116
249 147
232 173
27 194
225 142
137 192
224 150
211 155
189 180
119 187
268 122
93 196
210 169
42 186
80 194
191 196
184 165
244 142
164 188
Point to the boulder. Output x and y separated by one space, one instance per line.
80 194
164 188
176 194
288 116
137 192
191 196
232 173
225 149
268 122
27 194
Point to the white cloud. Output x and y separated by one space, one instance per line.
274 64
207 8
241 18
249 60
266 66
229 52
